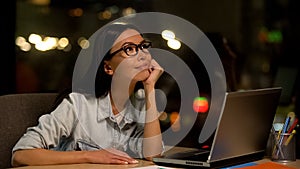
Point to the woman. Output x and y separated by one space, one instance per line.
115 124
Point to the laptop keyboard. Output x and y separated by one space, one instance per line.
190 154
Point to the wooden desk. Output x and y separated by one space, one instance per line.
142 163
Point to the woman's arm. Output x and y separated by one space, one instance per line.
34 146
50 157
152 142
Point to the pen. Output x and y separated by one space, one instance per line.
290 138
293 125
284 129
286 124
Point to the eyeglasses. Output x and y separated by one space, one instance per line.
132 49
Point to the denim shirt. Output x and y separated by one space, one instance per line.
83 122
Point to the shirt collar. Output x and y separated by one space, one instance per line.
131 114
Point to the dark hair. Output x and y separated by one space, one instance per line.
111 33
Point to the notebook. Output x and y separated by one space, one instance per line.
241 135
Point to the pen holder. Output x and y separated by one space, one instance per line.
284 147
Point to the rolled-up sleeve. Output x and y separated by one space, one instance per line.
50 129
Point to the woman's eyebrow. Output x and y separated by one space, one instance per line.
131 43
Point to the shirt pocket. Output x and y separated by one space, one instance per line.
83 145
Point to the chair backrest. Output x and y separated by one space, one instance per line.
17 113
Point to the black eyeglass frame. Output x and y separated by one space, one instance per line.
137 48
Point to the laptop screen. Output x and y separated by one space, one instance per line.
245 123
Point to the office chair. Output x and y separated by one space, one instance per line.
17 113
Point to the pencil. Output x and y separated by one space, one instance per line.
290 138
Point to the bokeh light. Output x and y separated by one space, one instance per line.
200 105
175 121
34 38
163 116
128 11
167 34
63 42
77 12
174 44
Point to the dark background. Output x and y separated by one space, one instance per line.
265 33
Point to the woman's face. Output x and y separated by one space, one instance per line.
123 66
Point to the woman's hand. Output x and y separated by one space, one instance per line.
50 157
155 72
110 156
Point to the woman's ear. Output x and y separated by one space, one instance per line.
107 68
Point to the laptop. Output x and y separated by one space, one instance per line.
241 135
